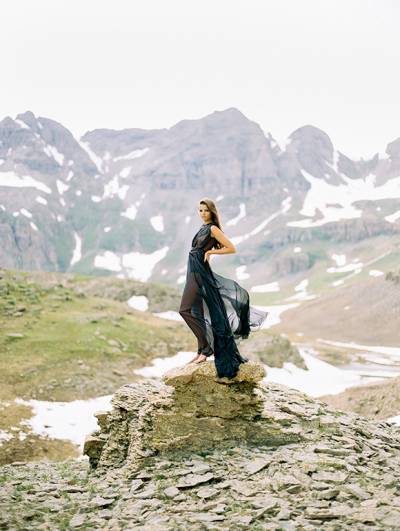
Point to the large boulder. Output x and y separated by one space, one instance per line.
192 410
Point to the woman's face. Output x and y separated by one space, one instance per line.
205 214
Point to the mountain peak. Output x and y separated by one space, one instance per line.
308 132
312 139
27 117
393 149
232 115
230 118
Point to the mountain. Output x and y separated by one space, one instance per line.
124 202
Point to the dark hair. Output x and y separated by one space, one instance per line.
214 215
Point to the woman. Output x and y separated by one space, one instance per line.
216 308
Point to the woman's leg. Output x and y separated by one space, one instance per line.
192 311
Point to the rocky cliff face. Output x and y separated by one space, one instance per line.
101 203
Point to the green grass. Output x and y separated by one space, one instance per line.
64 352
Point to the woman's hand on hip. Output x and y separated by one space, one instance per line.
207 255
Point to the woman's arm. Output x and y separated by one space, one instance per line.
228 248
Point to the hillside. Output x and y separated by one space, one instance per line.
53 330
365 310
376 401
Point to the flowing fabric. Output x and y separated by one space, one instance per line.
217 309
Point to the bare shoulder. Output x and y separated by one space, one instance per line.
219 235
215 231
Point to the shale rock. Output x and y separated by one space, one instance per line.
191 410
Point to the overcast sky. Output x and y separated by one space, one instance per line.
151 63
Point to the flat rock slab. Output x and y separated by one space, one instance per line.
191 480
189 374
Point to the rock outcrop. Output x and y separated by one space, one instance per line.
193 410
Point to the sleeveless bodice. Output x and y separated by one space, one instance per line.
203 240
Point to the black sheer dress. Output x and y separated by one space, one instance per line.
216 308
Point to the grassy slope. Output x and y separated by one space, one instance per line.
73 345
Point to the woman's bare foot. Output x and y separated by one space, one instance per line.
191 361
201 358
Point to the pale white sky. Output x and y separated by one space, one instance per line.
284 63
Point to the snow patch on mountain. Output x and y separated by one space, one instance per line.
375 273
130 212
133 154
139 266
266 288
26 212
345 268
52 152
108 260
41 200
285 206
302 294
393 217
9 178
241 215
138 302
113 188
340 259
136 265
61 187
335 202
157 223
390 351
21 123
77 254
124 173
241 272
97 161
